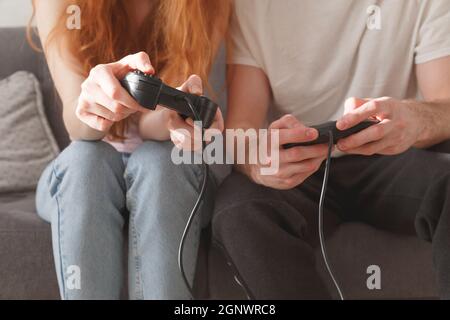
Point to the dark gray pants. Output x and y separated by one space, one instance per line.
270 237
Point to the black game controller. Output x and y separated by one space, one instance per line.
324 133
150 91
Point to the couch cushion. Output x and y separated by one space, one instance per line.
27 144
405 262
16 54
26 262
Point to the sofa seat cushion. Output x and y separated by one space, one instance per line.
27 144
27 269
405 262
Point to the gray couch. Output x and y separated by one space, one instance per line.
26 263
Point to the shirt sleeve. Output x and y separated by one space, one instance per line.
240 36
433 41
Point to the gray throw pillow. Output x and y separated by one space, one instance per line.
26 141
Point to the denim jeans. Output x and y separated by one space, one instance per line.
91 191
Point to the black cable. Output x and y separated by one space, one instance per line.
321 205
196 205
202 193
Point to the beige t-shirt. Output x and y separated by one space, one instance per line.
317 53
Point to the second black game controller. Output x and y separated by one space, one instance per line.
150 91
324 133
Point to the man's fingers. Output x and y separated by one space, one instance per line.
369 109
308 166
353 103
371 134
286 122
291 130
292 182
296 135
370 149
299 154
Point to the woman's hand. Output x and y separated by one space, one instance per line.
183 133
103 101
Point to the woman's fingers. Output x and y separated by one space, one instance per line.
103 76
103 100
183 135
98 110
94 94
218 122
93 120
193 85
216 127
138 61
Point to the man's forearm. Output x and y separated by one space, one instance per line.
435 121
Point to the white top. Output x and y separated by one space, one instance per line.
317 53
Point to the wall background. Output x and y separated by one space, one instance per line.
14 13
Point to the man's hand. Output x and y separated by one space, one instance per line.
296 164
399 129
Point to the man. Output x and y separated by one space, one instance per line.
296 63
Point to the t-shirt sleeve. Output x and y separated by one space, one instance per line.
240 36
433 41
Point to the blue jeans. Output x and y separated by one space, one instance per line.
89 193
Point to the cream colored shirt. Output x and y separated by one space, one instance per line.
317 53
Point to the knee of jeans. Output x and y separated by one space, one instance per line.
152 162
87 158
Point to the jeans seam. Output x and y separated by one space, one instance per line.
60 233
138 279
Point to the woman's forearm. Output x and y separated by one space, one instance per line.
78 130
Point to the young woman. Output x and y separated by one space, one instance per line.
108 176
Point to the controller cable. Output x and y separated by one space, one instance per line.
321 205
197 202
202 193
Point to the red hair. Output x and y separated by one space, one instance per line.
178 35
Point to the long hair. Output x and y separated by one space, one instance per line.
177 35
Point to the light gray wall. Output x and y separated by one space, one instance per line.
14 13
